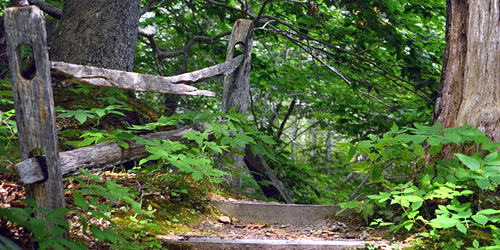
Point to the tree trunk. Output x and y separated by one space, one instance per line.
470 77
314 144
329 146
101 33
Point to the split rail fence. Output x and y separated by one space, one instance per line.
33 101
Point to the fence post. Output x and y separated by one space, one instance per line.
237 86
34 104
236 94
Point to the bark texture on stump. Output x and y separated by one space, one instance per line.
101 33
470 90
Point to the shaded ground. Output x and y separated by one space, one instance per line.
230 228
213 224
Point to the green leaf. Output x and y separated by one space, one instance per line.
38 227
231 126
100 112
491 158
80 201
419 150
413 198
56 231
8 244
417 139
416 205
70 245
461 228
455 138
376 174
434 141
475 244
351 153
110 234
483 183
489 211
97 232
122 143
433 150
197 175
57 246
364 144
81 117
480 219
468 161
408 224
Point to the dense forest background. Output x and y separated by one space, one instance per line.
342 95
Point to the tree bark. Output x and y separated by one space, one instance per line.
101 33
471 70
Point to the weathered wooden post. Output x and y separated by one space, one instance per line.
236 94
237 86
34 105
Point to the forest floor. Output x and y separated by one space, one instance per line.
348 228
213 224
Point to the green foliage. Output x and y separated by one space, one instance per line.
22 217
446 201
95 137
94 214
196 157
7 244
82 115
90 208
388 51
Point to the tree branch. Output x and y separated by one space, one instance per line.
257 19
187 47
297 31
299 134
158 54
288 113
52 10
149 6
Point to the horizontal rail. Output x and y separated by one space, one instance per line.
79 74
98 157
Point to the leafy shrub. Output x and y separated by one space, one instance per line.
85 213
444 198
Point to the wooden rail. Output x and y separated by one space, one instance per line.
73 73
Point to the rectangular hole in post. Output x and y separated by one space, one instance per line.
239 49
27 61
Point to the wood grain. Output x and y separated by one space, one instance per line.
99 157
79 74
33 102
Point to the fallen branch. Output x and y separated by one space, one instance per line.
52 10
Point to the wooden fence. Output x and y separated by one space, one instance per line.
43 167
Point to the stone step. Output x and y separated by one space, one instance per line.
288 214
240 244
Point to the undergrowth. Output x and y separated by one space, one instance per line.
451 203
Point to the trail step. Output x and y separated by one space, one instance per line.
231 244
289 214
